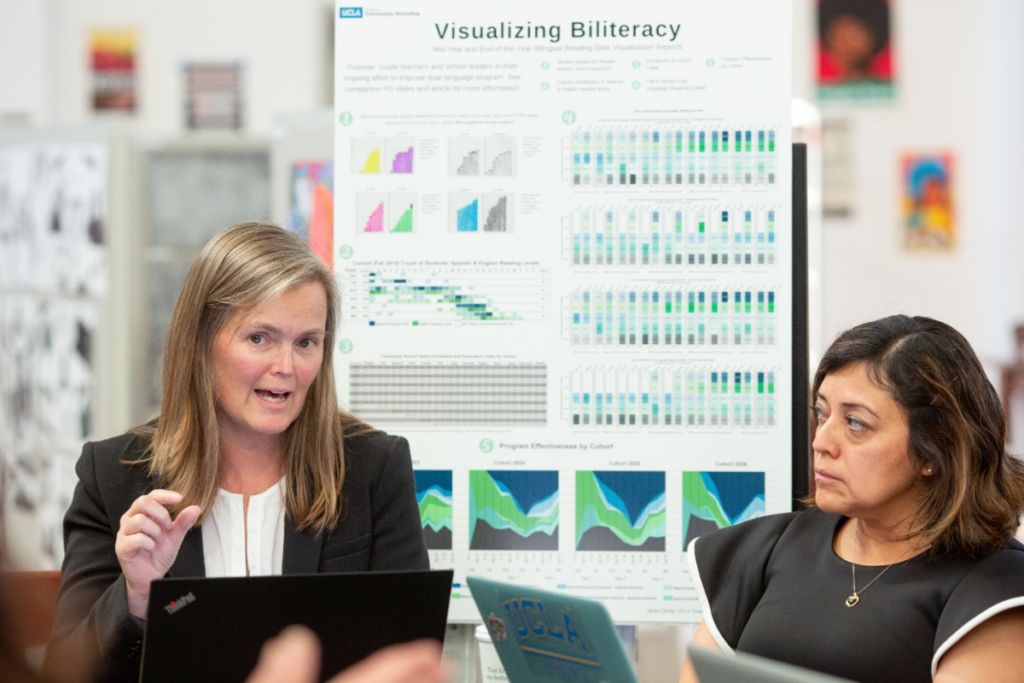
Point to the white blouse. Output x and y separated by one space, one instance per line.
224 534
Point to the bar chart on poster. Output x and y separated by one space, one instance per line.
563 239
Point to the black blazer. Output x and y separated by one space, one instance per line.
379 530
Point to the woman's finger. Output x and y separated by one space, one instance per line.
165 496
153 505
141 524
127 547
182 523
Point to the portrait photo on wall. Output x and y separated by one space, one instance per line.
929 222
855 50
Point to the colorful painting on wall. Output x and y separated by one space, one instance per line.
311 212
929 221
112 56
855 50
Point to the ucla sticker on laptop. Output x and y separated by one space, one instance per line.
553 641
550 637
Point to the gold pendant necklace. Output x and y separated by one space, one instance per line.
854 597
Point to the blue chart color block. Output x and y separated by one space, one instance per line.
467 219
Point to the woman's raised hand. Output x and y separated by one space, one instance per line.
148 541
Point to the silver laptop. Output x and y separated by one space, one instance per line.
738 667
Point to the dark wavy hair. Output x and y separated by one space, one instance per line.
873 13
973 501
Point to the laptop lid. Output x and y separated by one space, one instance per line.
212 629
720 667
545 636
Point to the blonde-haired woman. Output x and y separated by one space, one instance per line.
250 469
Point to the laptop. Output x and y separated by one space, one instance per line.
738 667
545 636
212 629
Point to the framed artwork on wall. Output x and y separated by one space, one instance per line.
855 50
928 220
112 53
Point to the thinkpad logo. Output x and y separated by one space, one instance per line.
184 601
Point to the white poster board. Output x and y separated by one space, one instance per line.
563 238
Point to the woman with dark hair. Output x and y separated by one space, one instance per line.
251 468
904 567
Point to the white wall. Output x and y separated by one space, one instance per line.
1003 272
284 47
24 62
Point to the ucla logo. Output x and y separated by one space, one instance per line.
530 619
350 12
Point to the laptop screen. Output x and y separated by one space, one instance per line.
200 629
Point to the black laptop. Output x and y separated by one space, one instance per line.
202 629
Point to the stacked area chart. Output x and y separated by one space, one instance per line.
513 510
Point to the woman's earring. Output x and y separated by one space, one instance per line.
928 471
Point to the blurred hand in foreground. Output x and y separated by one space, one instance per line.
294 657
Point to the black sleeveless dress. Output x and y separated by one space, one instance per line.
774 587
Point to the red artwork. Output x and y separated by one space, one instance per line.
855 52
112 58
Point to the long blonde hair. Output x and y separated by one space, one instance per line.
242 267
